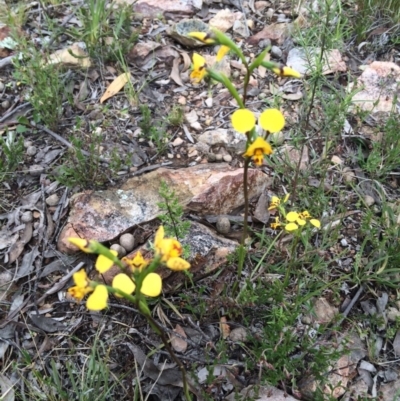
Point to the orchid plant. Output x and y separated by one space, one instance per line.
136 281
244 120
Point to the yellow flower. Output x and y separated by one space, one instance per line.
299 219
152 285
82 285
199 68
124 283
82 244
272 120
98 300
275 202
138 263
286 72
291 227
315 223
170 251
292 217
203 37
103 263
243 120
222 52
257 150
277 223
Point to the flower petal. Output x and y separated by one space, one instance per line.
291 227
222 52
79 292
272 120
202 36
259 144
300 222
82 244
315 223
243 120
152 285
103 263
292 216
286 72
124 283
98 300
178 264
80 278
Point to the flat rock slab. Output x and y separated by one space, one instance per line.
210 189
155 8
264 393
379 85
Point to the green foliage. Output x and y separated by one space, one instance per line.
384 156
105 30
45 86
81 169
172 218
11 154
152 130
175 116
91 381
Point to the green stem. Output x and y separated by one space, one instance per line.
242 246
292 259
141 305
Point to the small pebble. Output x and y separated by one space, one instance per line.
218 157
276 51
262 44
52 200
223 225
227 158
343 242
177 142
36 169
392 314
306 320
235 74
209 102
5 104
211 157
262 95
27 144
336 160
31 151
127 241
120 250
26 217
348 175
369 200
238 334
1 86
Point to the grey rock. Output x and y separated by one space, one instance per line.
227 158
238 334
36 169
52 200
27 217
230 139
223 225
31 151
1 86
121 250
5 104
127 241
276 51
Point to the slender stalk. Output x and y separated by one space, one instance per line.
141 305
314 90
289 269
